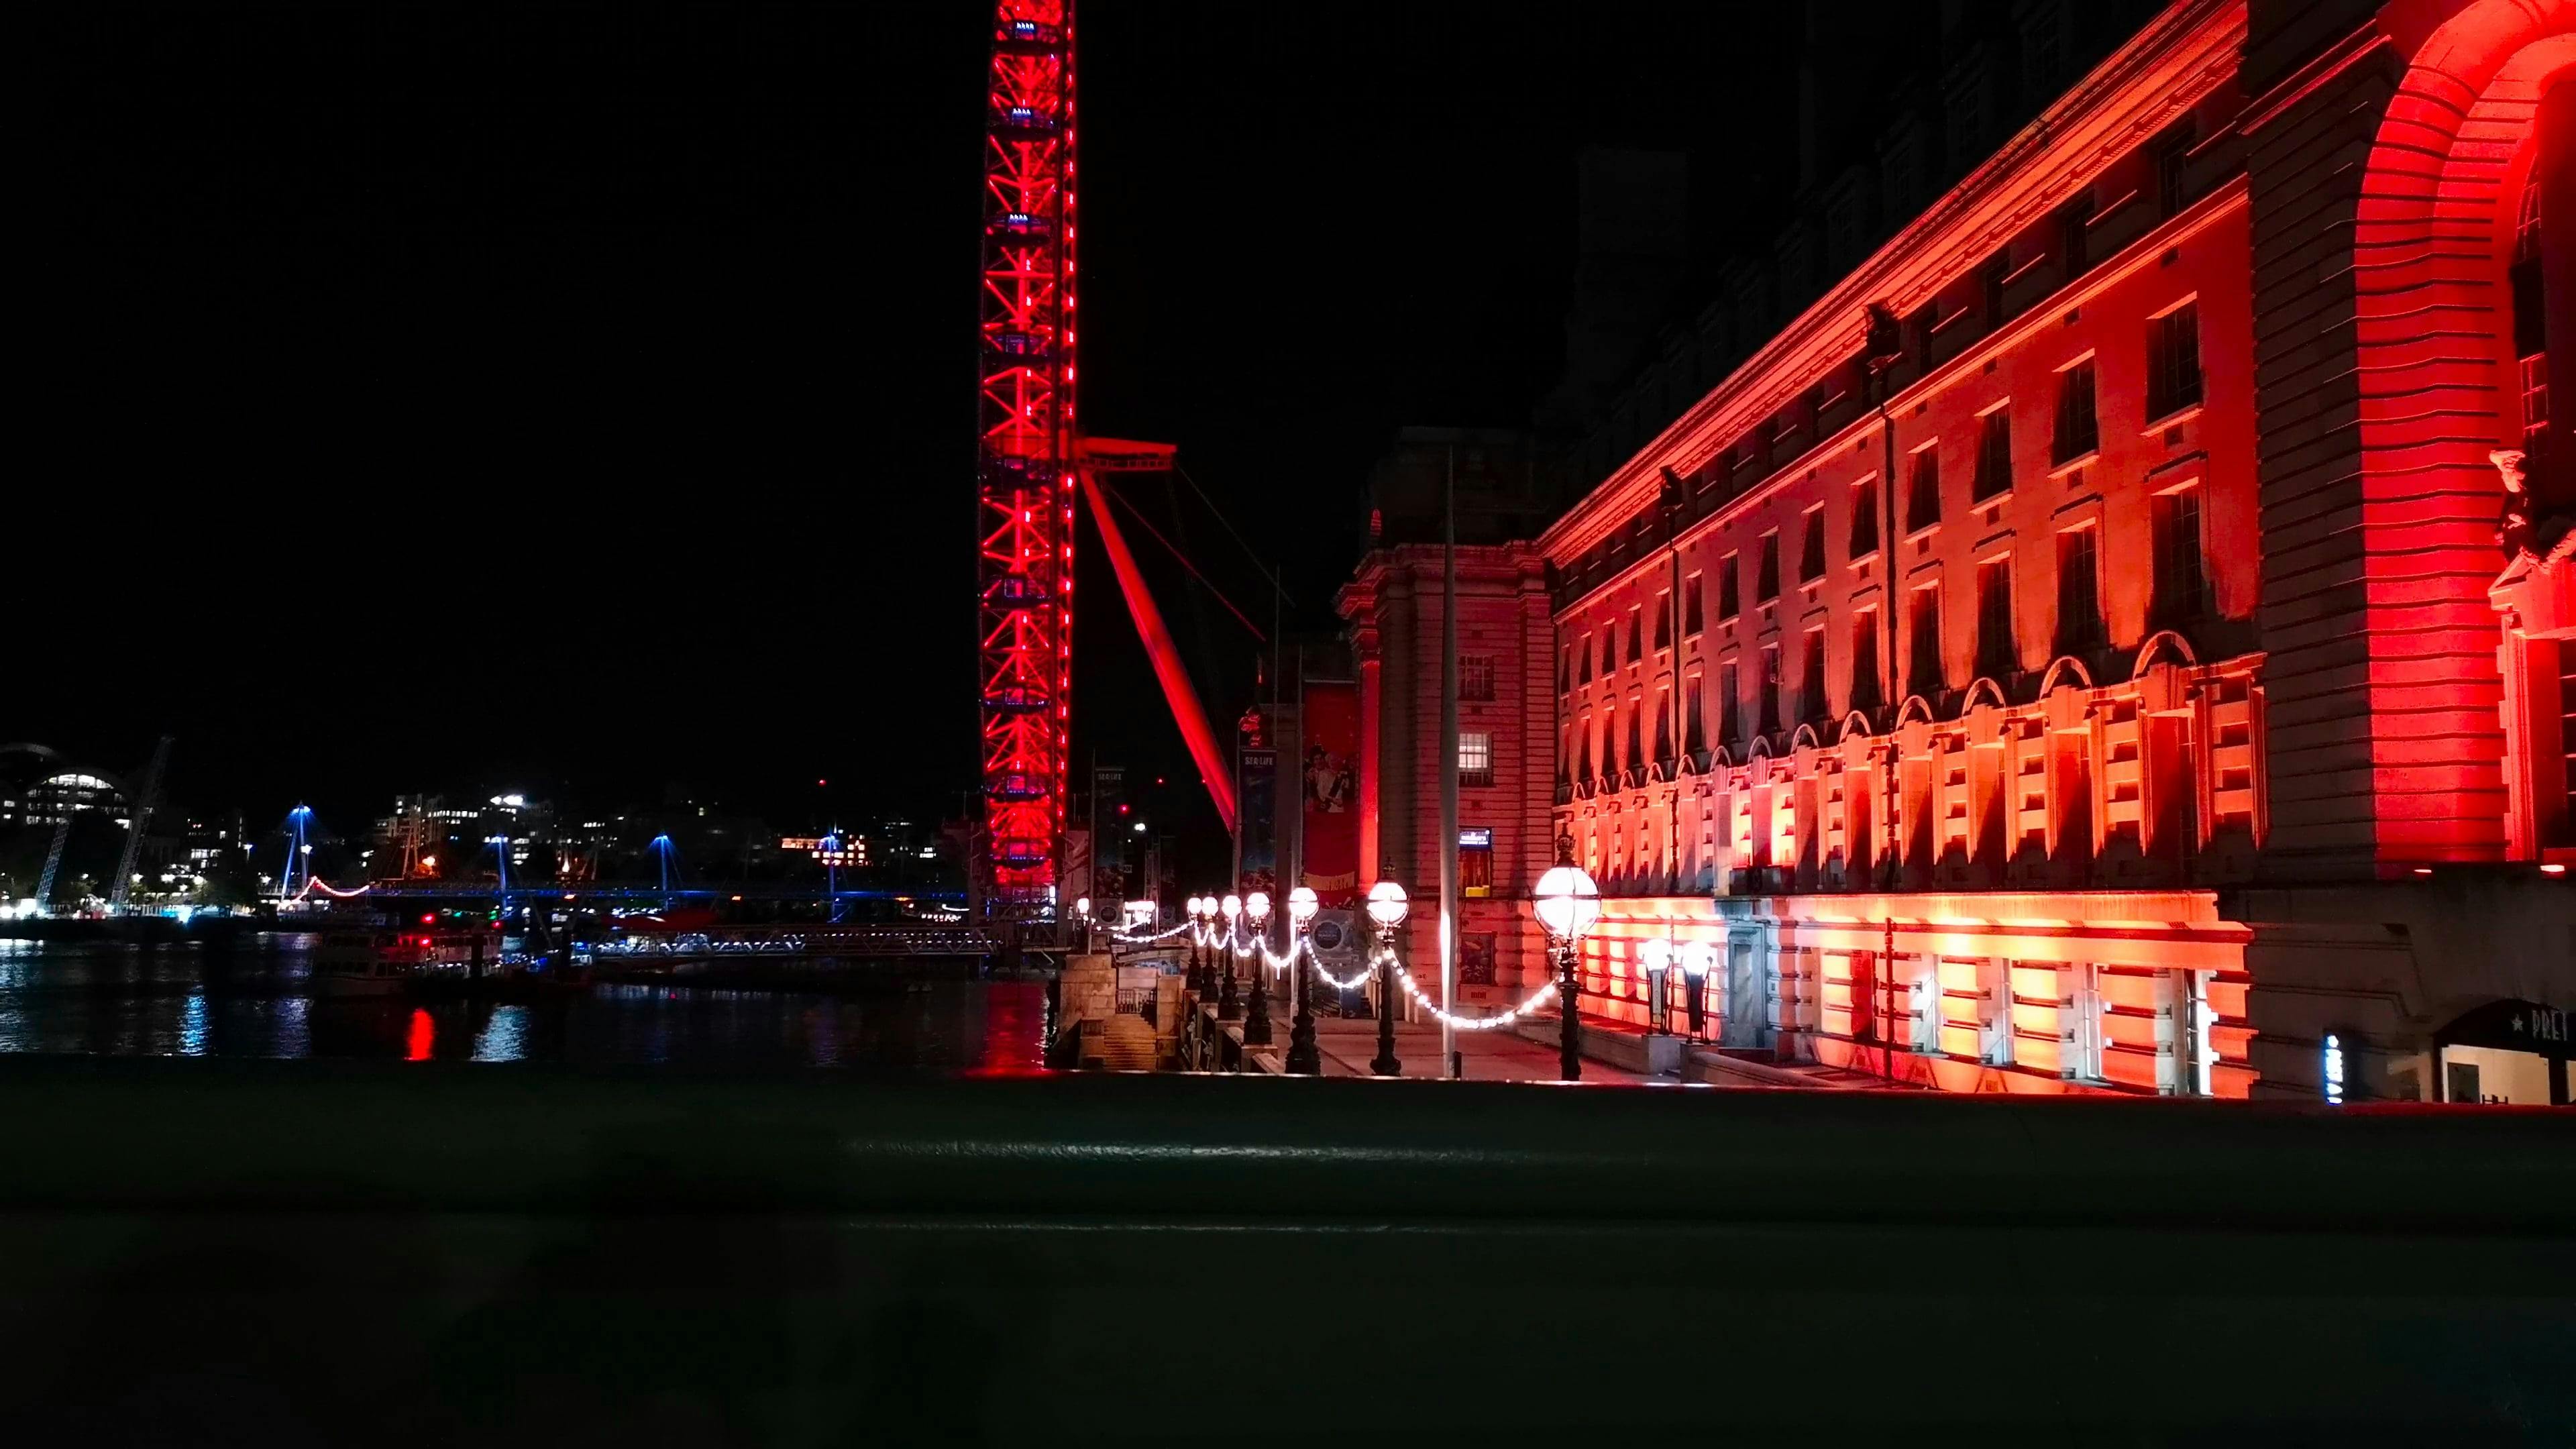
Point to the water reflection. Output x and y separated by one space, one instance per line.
254 1000
504 1037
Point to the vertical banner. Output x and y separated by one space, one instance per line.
1329 783
1257 790
1077 872
1115 850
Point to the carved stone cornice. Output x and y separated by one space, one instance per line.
2143 87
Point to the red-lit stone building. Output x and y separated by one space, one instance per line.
2093 645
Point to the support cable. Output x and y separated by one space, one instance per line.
1184 561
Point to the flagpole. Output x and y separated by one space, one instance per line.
1449 1064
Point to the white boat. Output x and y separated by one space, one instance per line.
383 962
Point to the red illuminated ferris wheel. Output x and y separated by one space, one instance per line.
1026 455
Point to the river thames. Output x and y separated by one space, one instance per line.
257 1000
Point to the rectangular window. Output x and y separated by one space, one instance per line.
2043 53
1475 860
1663 621
1811 679
1998 655
1864 658
1565 669
2182 586
2173 361
1990 288
1768 720
2079 591
1766 580
2535 410
1994 454
1811 548
2173 153
1663 725
2078 433
2071 224
1923 494
1864 525
1730 705
1923 630
1918 335
1694 714
1690 607
1636 636
1730 601
1636 755
1476 676
1583 656
1475 759
1610 650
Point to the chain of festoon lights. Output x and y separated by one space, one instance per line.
1203 915
1496 1022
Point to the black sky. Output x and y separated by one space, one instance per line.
580 400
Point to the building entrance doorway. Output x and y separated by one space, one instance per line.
2505 1053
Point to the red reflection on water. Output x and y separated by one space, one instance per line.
1014 1031
423 1031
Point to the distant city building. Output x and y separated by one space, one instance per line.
38 787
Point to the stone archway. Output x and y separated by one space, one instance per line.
2433 343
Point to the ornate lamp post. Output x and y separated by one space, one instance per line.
1657 954
1197 980
1231 909
1256 1012
1698 959
1386 908
1567 903
1303 1058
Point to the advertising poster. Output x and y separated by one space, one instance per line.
1328 782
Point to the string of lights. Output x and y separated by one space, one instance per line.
1126 938
1338 983
1495 1022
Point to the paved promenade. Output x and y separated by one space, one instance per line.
1347 1046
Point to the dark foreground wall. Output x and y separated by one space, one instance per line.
308 1253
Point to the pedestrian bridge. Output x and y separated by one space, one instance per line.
875 941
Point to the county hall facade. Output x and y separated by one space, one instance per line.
2123 636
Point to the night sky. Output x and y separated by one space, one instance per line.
583 403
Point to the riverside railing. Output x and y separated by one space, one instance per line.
444 1251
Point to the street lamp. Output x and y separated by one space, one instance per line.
1567 903
1698 959
1082 909
1303 1059
1227 1008
1190 913
1203 911
1657 955
1386 907
1256 1012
